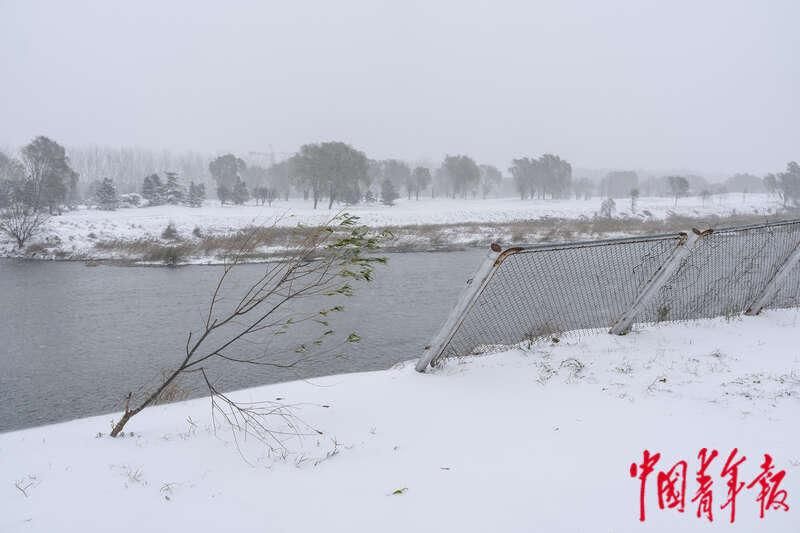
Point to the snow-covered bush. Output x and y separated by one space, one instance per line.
170 232
131 199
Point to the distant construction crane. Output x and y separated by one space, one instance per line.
270 155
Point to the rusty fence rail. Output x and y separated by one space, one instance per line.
526 293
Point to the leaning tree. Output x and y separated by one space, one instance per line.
240 325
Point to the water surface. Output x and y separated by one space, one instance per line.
75 339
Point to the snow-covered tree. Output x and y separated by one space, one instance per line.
172 192
20 221
106 195
197 194
388 192
152 188
240 194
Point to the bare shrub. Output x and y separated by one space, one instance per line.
21 222
168 255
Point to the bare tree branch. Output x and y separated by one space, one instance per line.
329 258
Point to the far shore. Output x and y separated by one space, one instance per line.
270 242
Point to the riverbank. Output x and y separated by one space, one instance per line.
523 440
211 233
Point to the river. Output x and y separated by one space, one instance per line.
75 339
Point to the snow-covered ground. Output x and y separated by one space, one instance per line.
75 233
538 440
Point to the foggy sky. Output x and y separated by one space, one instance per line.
709 86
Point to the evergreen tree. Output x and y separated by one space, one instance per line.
388 192
172 191
151 189
197 194
240 194
106 195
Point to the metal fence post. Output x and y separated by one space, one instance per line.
465 300
686 243
775 283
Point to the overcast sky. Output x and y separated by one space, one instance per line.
702 85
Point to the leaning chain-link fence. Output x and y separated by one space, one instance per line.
789 293
534 292
724 274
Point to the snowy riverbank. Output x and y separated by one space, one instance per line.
539 440
129 234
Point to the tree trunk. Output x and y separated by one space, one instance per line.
119 426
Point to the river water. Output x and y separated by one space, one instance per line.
75 339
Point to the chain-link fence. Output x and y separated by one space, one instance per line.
526 293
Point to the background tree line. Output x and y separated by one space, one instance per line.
43 178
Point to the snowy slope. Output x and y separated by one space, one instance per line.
521 441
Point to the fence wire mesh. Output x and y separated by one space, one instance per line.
540 291
724 274
789 293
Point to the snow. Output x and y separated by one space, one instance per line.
76 232
525 440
